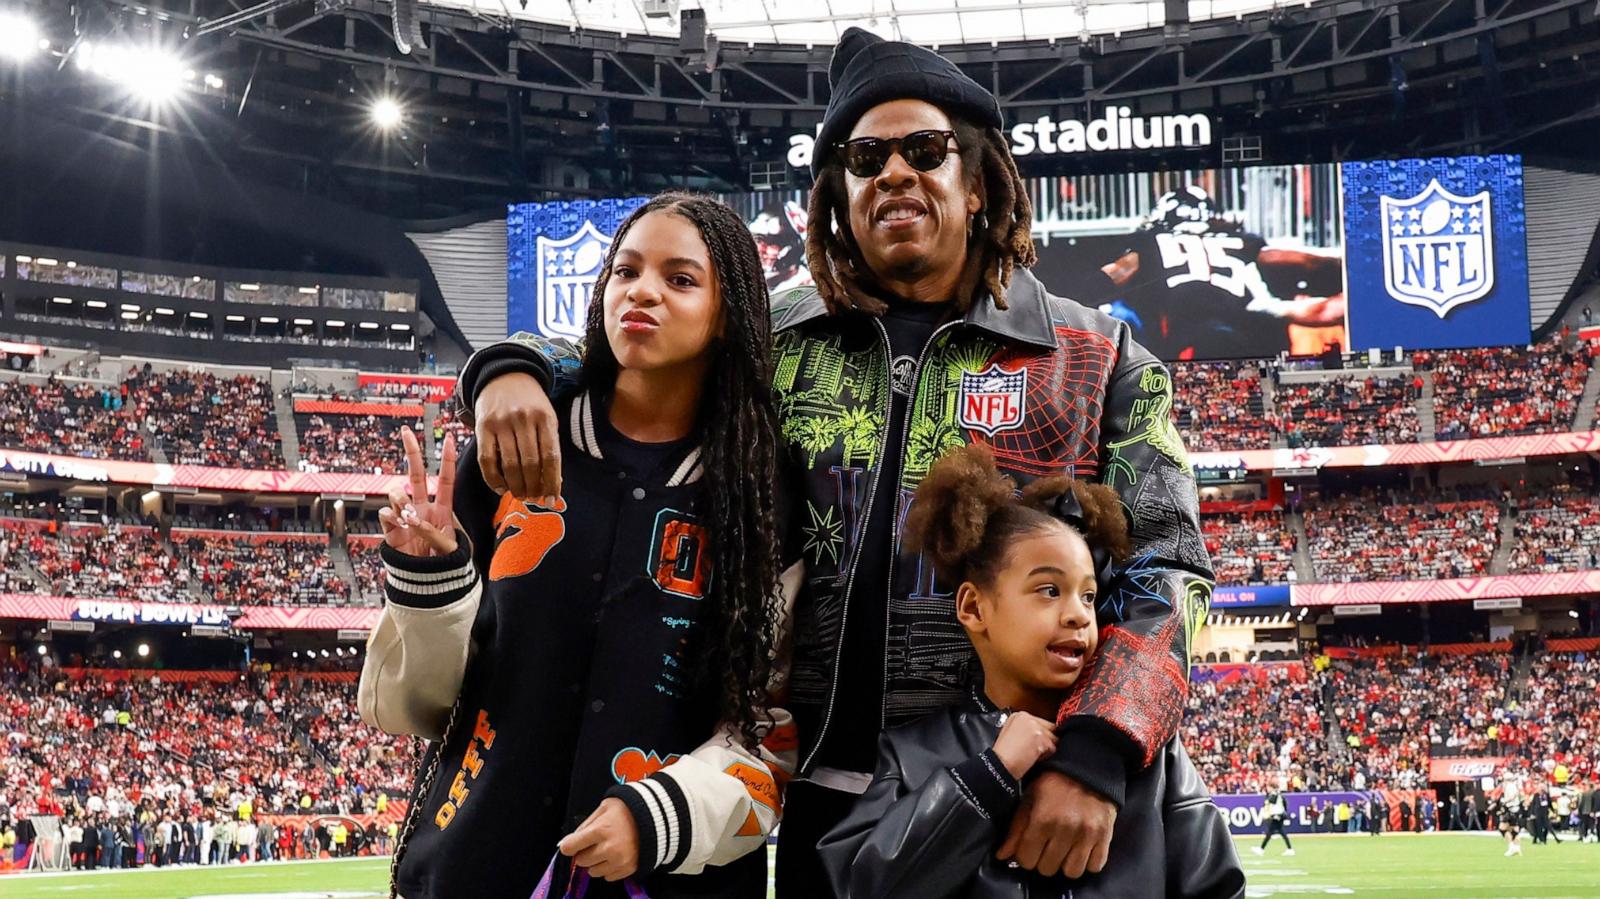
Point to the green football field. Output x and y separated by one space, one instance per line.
1457 867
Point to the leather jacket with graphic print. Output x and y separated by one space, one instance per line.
1054 388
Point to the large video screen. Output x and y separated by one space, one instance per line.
1202 264
1438 252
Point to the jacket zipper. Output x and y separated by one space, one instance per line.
894 524
855 556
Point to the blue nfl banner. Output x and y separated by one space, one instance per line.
1436 253
553 253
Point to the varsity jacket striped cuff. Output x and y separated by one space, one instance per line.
661 816
986 783
428 582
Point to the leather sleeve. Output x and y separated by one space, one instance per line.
900 843
1202 862
1133 691
553 361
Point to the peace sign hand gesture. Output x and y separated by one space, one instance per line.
416 526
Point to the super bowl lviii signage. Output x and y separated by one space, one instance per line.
1436 254
553 253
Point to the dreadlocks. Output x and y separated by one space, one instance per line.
999 240
737 426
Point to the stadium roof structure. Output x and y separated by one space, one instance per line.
823 21
493 103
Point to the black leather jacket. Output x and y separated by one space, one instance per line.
925 831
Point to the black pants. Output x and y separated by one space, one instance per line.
1275 826
809 812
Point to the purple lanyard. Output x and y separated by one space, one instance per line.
577 884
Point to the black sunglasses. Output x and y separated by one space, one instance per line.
924 151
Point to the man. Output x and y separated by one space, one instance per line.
1405 814
1274 813
926 331
1586 811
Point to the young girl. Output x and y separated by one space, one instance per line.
593 670
946 786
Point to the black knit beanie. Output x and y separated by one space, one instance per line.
867 70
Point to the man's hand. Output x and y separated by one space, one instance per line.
607 843
1061 826
519 445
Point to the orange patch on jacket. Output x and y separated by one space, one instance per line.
525 532
633 764
757 782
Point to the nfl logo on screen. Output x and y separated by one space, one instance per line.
567 269
991 400
1438 249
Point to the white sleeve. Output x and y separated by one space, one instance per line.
417 655
721 801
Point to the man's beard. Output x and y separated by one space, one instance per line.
911 269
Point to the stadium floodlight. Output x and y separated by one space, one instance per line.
144 650
43 649
116 653
386 113
151 73
19 37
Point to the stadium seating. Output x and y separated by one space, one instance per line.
1374 722
1555 724
446 423
369 444
1400 537
368 566
1249 547
262 569
203 745
1218 406
1349 411
1557 529
196 418
1490 393
1259 732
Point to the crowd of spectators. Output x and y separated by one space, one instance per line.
1375 722
1249 548
365 444
121 561
446 423
128 757
1259 732
1349 411
1503 391
1401 536
1557 529
368 565
263 570
71 419
1217 406
1398 711
1554 726
196 418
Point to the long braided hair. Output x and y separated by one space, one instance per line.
737 426
1000 239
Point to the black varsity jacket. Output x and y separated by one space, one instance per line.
545 661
